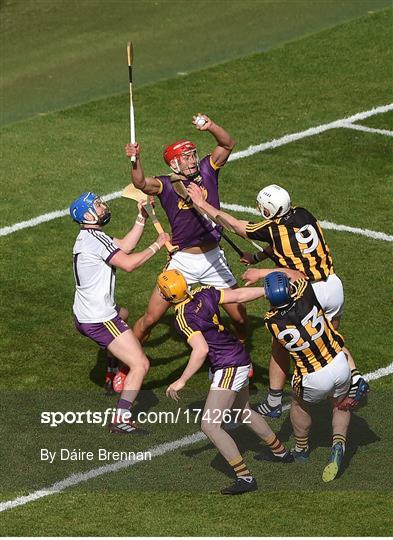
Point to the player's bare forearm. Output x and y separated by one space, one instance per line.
131 262
231 223
242 295
198 355
225 144
226 220
252 275
129 242
148 185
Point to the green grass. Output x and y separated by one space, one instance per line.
342 176
58 54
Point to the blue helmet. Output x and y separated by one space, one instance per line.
277 289
86 204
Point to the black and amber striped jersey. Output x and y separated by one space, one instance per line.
304 331
297 242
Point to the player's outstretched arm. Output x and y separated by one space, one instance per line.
198 355
131 262
252 275
226 220
131 239
225 143
228 296
148 185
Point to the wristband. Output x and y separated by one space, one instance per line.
153 250
140 220
158 246
255 257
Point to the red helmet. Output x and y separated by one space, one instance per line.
176 149
173 153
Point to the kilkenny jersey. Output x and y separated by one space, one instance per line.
201 314
304 331
189 228
297 242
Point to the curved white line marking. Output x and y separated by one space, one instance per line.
251 150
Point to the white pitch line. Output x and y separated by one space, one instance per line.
375 235
381 372
359 127
156 451
251 150
343 122
79 478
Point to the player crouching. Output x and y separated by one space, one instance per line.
198 321
298 322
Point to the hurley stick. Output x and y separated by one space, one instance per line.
131 192
132 119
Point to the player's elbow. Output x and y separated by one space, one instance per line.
131 265
139 183
204 350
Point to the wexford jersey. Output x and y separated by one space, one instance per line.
297 242
304 331
94 276
189 228
201 314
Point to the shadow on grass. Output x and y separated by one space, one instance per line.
179 351
359 434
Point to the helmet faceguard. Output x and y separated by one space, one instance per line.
182 158
273 202
92 204
278 289
172 286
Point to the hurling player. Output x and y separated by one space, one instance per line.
96 257
296 242
298 322
200 258
198 321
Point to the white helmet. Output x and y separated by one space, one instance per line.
273 201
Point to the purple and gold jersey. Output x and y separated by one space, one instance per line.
189 228
201 314
297 241
303 329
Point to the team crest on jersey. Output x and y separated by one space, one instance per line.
184 205
198 306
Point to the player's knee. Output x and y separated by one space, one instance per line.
150 319
139 365
145 365
209 428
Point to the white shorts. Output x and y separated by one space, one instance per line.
210 268
332 380
231 378
330 295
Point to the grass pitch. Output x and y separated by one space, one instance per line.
342 176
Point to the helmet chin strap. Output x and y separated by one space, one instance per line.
105 219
